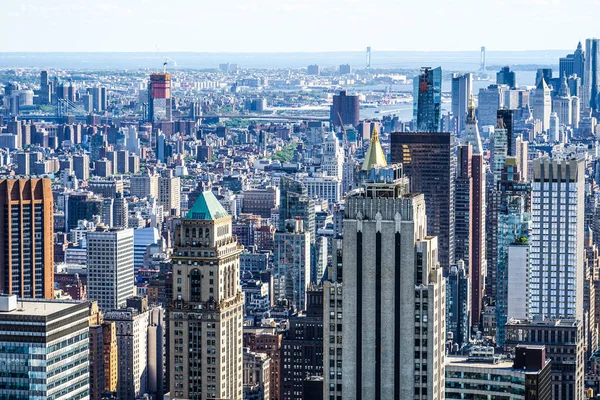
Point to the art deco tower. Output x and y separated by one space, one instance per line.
205 315
394 294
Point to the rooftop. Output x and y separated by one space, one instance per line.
207 207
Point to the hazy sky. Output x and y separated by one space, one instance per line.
294 25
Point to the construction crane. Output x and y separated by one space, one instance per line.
343 130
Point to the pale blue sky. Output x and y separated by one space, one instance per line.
294 25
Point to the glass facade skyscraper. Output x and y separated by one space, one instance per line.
427 100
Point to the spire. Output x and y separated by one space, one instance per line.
542 84
471 110
374 155
564 91
471 133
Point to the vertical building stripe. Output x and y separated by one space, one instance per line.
359 324
397 316
378 315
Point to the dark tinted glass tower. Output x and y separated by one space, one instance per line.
428 160
345 109
427 99
573 64
506 77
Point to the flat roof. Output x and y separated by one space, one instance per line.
41 308
463 362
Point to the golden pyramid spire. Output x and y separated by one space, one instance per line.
374 155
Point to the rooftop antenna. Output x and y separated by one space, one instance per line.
165 60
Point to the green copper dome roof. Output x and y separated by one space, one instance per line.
207 207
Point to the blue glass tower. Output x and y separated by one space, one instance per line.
427 100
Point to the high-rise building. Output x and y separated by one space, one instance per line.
345 109
542 104
562 103
591 78
159 98
169 192
564 343
490 99
302 347
81 166
27 229
292 263
458 304
36 335
463 204
462 91
345 69
557 271
110 267
294 202
333 157
313 69
428 160
81 206
205 316
573 64
267 340
506 77
427 100
132 343
144 185
394 294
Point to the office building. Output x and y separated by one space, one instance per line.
394 325
345 69
27 248
562 103
332 162
159 98
142 238
302 347
557 270
573 64
267 341
462 90
106 188
260 201
428 161
110 267
506 77
542 104
591 78
490 99
205 316
169 192
458 305
144 185
292 263
427 100
81 206
36 335
345 110
525 378
563 339
256 375
294 202
132 343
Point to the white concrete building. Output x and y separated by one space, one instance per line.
110 267
557 239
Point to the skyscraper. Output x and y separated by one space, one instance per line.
292 263
428 160
294 202
159 98
427 100
556 278
394 294
205 316
591 79
27 229
573 64
345 109
110 267
490 99
462 90
506 77
476 245
542 104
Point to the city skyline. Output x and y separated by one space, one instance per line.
133 27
